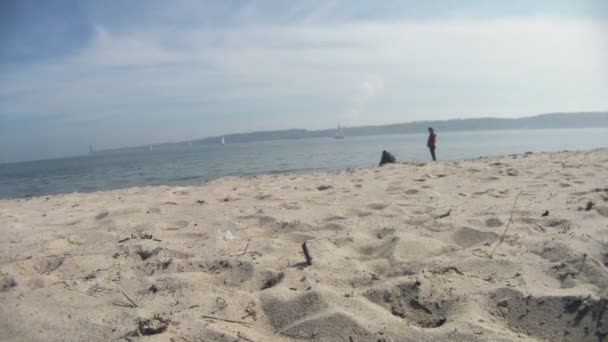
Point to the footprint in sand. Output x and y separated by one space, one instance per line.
262 220
290 206
403 299
360 213
284 312
602 210
493 222
393 189
384 232
333 226
335 218
102 215
553 250
377 206
467 237
310 314
490 179
175 225
577 317
225 272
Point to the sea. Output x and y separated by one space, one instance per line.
192 165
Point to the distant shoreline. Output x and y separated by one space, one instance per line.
581 120
542 121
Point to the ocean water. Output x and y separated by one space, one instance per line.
194 165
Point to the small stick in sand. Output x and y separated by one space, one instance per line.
247 324
306 254
582 263
507 227
129 299
444 215
244 251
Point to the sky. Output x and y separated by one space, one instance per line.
123 73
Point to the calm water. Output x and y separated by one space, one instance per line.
187 166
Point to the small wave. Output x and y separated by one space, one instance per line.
89 188
185 178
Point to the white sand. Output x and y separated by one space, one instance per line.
386 266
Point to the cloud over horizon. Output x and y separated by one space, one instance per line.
161 73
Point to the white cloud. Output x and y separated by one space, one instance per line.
356 73
114 50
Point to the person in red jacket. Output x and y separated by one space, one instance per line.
430 143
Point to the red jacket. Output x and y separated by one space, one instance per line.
431 141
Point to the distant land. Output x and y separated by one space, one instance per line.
543 121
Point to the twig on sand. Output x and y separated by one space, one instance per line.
247 324
306 254
129 299
542 229
244 251
507 227
444 215
582 263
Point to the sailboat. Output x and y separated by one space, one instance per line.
339 133
223 141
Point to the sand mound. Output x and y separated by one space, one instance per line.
570 317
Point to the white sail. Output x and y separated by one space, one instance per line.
223 141
339 132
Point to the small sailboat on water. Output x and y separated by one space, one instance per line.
223 141
339 133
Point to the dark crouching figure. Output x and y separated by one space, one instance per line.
387 158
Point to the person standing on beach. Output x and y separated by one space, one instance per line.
430 143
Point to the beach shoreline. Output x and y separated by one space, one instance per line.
497 248
192 166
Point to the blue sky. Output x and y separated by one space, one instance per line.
118 73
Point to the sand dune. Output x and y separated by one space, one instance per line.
406 252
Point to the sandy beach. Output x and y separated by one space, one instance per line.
403 252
